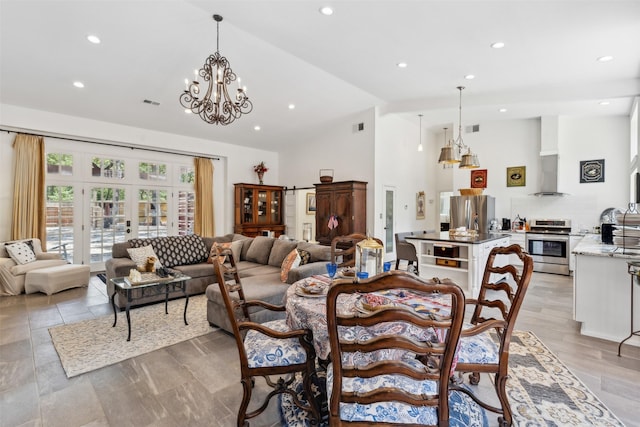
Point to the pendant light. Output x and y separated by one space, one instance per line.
420 130
450 153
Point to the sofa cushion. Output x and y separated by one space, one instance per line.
246 244
259 270
196 270
176 250
20 252
141 255
279 251
267 288
260 249
291 261
317 252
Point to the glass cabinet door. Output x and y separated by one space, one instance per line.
262 207
275 207
247 206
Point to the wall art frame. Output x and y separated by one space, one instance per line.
420 205
311 203
591 171
516 176
479 178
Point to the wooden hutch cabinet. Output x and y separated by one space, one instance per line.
347 201
258 209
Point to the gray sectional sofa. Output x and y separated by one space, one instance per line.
259 270
259 263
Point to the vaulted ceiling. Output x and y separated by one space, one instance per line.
329 67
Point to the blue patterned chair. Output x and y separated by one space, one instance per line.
484 344
384 388
266 349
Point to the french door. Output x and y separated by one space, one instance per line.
118 213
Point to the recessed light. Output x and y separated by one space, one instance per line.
78 84
187 111
497 45
401 65
292 106
93 39
604 102
256 128
606 58
503 110
469 77
327 11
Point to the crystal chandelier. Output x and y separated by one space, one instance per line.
217 106
450 153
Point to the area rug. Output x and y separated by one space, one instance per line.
541 389
92 344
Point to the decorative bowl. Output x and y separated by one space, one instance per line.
471 191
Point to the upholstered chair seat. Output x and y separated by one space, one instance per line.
265 351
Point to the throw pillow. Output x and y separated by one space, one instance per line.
260 249
141 255
236 249
305 256
279 251
292 260
214 252
20 252
176 250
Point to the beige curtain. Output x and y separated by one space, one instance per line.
29 219
204 225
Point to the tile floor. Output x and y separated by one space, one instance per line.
196 383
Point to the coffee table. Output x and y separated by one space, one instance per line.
133 292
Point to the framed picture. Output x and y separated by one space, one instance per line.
420 205
517 176
479 178
311 203
591 171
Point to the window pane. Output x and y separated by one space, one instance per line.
186 212
152 171
107 168
61 164
187 174
152 213
59 216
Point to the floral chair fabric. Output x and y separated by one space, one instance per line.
265 351
479 348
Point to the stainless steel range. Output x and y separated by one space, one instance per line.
548 244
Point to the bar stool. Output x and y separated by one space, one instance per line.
633 267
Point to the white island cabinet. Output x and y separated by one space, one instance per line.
602 291
461 259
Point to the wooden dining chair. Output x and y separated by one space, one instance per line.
343 249
375 376
267 349
484 344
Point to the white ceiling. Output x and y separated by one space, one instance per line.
328 66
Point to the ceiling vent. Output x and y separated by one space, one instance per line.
472 128
150 102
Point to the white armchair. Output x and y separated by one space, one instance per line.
12 274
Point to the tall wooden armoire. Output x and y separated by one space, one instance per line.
347 202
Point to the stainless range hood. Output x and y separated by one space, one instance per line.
548 161
548 180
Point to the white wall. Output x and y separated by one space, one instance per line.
399 165
239 160
501 144
338 146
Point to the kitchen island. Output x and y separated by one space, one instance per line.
461 259
602 291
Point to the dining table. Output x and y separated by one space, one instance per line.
305 310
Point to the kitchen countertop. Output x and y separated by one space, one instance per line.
592 245
445 237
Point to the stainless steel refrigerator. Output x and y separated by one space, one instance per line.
472 212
